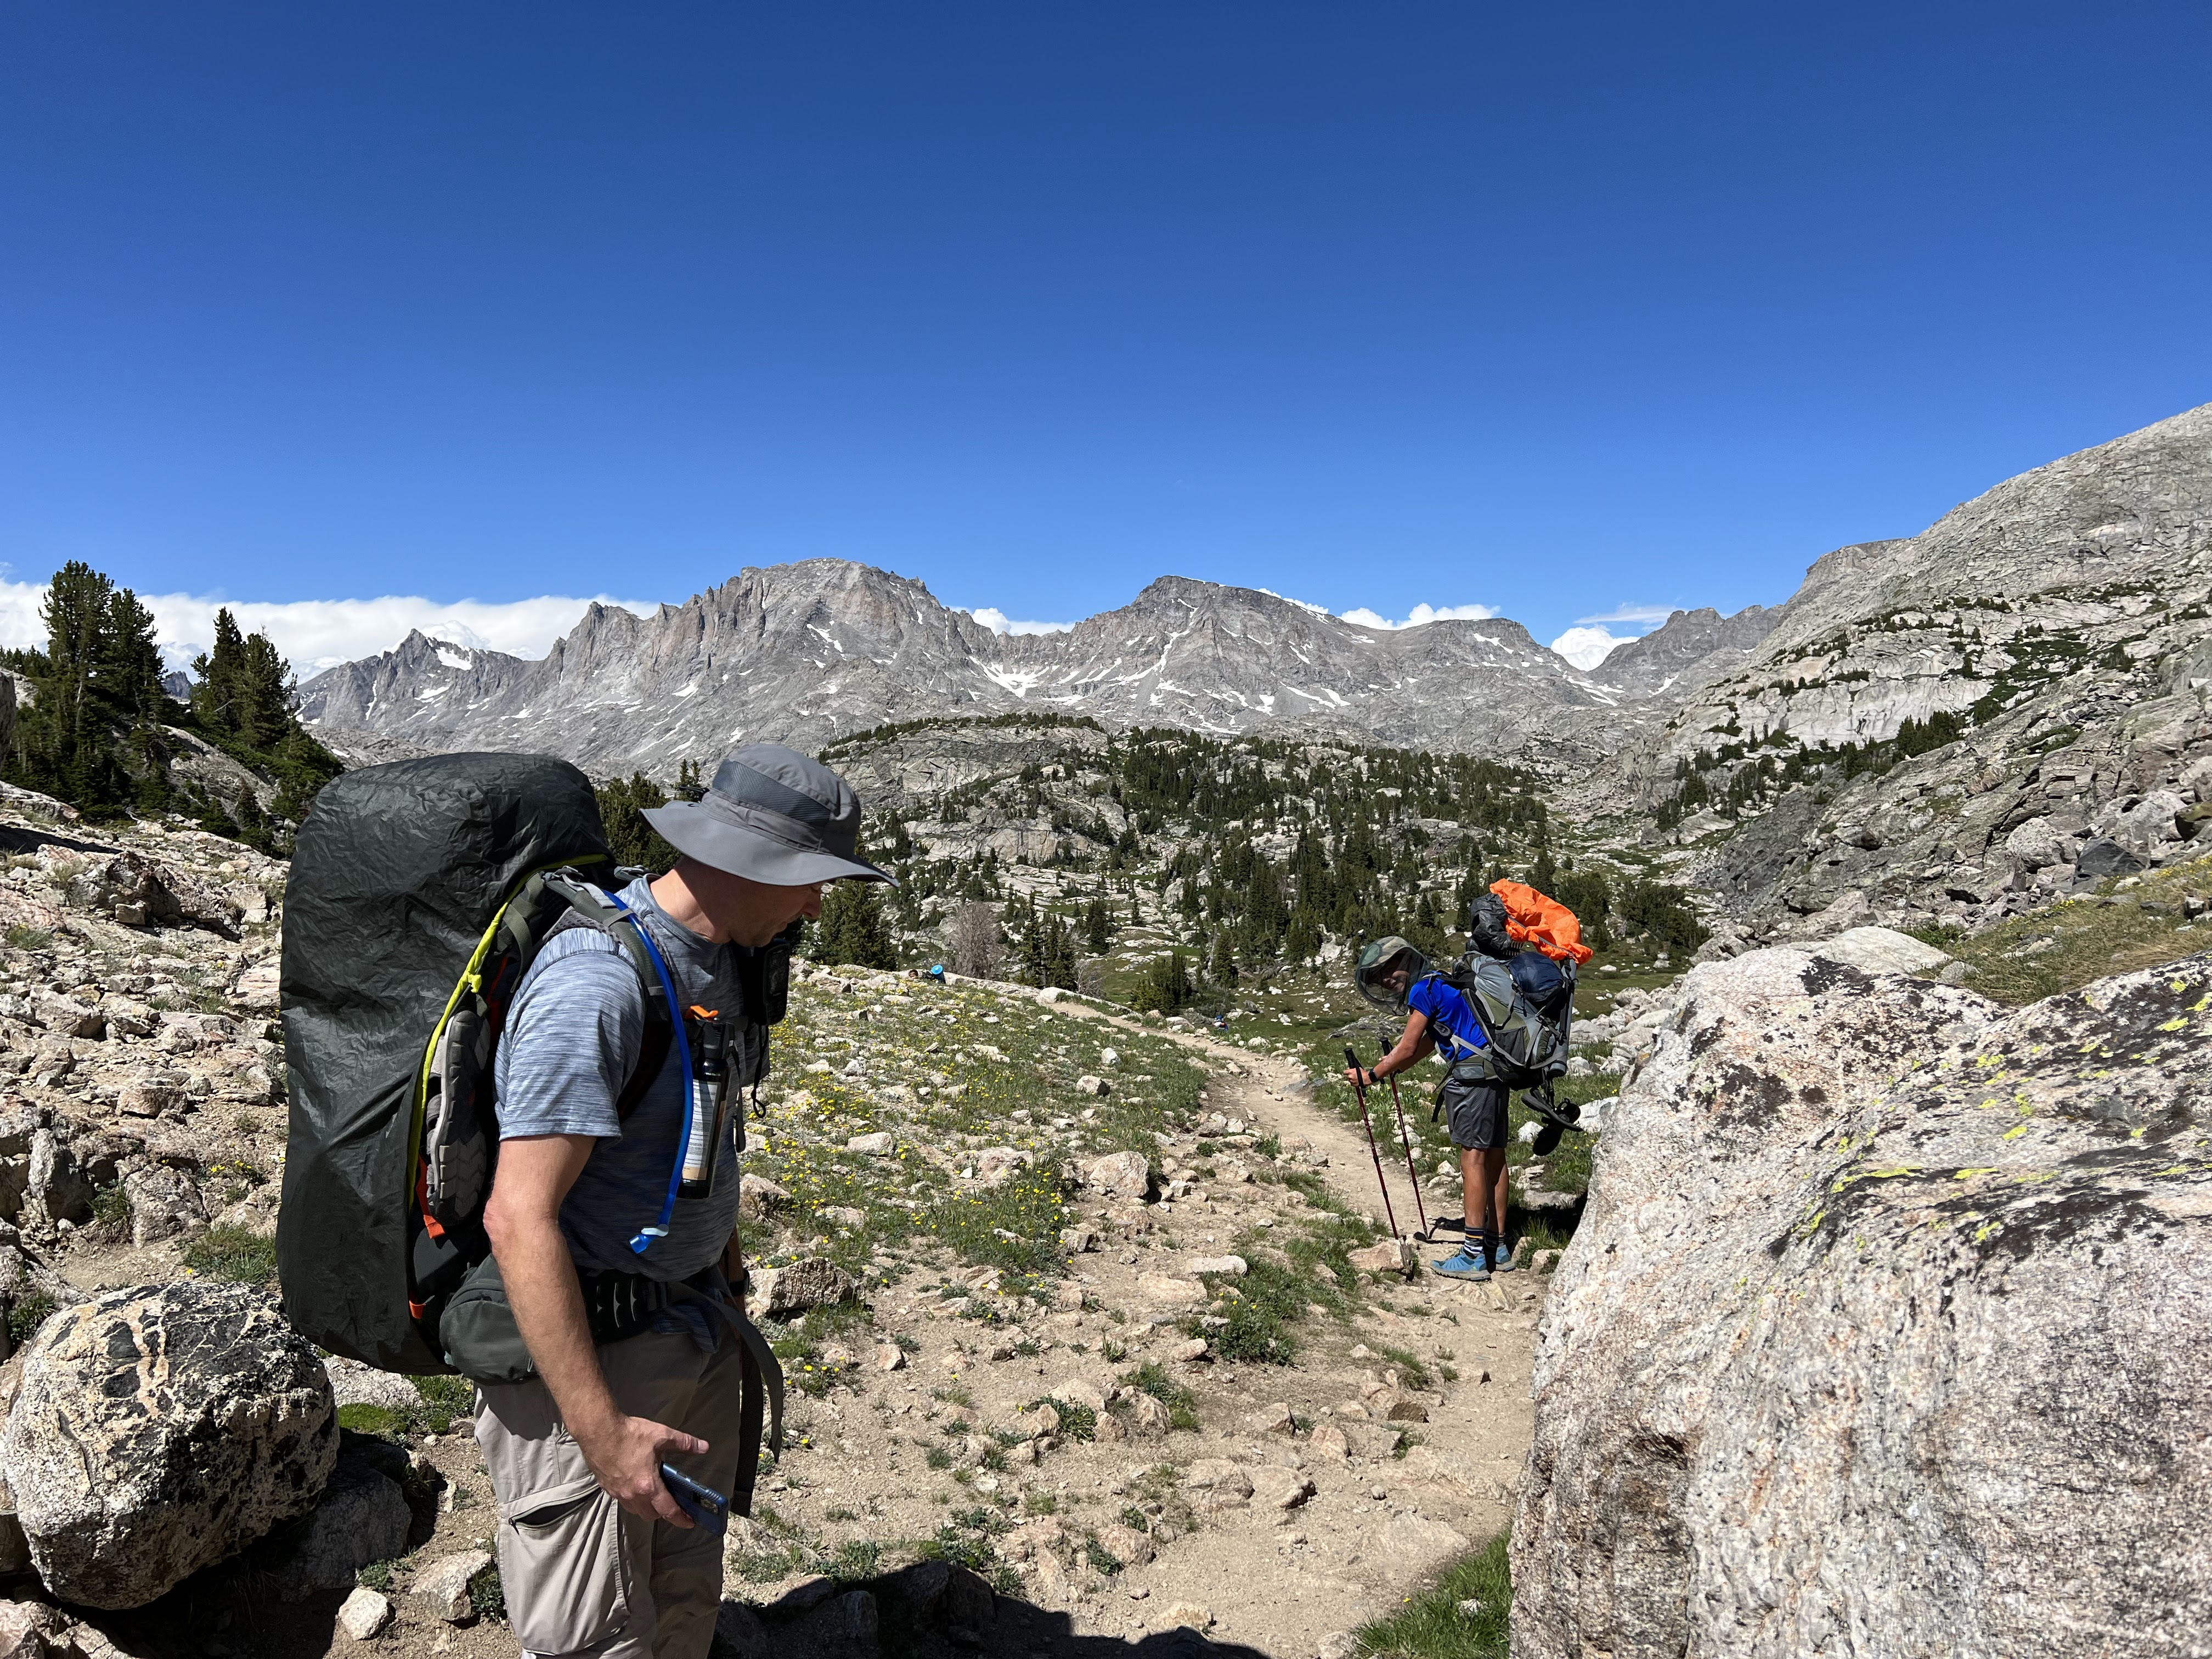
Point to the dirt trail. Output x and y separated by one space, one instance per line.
1280 1583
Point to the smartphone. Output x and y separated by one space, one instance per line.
706 1507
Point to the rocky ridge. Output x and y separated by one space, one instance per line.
2034 664
2051 642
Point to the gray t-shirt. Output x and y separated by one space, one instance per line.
573 1034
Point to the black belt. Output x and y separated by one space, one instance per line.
617 1306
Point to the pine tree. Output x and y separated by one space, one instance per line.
1223 970
1543 874
216 697
622 807
854 928
99 695
1166 985
243 699
1096 925
1057 960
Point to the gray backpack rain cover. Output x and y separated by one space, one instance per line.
400 871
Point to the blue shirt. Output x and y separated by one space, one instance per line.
1457 1032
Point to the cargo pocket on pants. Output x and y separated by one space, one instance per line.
561 1566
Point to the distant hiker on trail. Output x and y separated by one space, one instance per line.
616 1240
1392 974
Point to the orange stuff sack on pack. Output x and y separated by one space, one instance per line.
1534 919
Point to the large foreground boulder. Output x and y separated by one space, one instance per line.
159 1429
1884 1332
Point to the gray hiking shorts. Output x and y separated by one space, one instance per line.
1474 1109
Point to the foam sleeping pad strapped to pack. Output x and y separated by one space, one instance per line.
399 872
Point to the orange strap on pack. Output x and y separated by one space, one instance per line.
1545 923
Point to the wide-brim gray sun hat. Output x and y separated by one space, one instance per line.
772 815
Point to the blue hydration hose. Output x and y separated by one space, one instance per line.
646 1236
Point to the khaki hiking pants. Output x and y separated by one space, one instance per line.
581 1576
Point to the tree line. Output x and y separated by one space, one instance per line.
100 730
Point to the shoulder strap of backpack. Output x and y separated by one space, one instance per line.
588 907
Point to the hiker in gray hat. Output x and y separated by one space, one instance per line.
591 1210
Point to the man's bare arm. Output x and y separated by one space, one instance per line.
1415 1045
523 1219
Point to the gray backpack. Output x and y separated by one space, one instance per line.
1527 1017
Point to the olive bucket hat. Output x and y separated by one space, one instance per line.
772 815
1370 975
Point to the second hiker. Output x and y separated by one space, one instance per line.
1392 974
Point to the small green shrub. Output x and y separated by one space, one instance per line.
487 1596
1411 1371
25 1313
1430 1624
1077 1421
965 1540
1152 1378
444 1399
381 1421
233 1253
23 938
1260 1308
766 1567
111 1207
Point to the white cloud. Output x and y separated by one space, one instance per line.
319 633
999 622
1421 615
1642 615
1586 647
1590 641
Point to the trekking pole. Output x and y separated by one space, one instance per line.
1359 1094
1407 1141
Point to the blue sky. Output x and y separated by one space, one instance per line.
1562 311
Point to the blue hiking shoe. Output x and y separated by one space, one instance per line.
1466 1263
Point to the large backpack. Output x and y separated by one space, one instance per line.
1526 1006
1518 976
419 894
419 897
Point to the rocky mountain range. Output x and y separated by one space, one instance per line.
805 652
